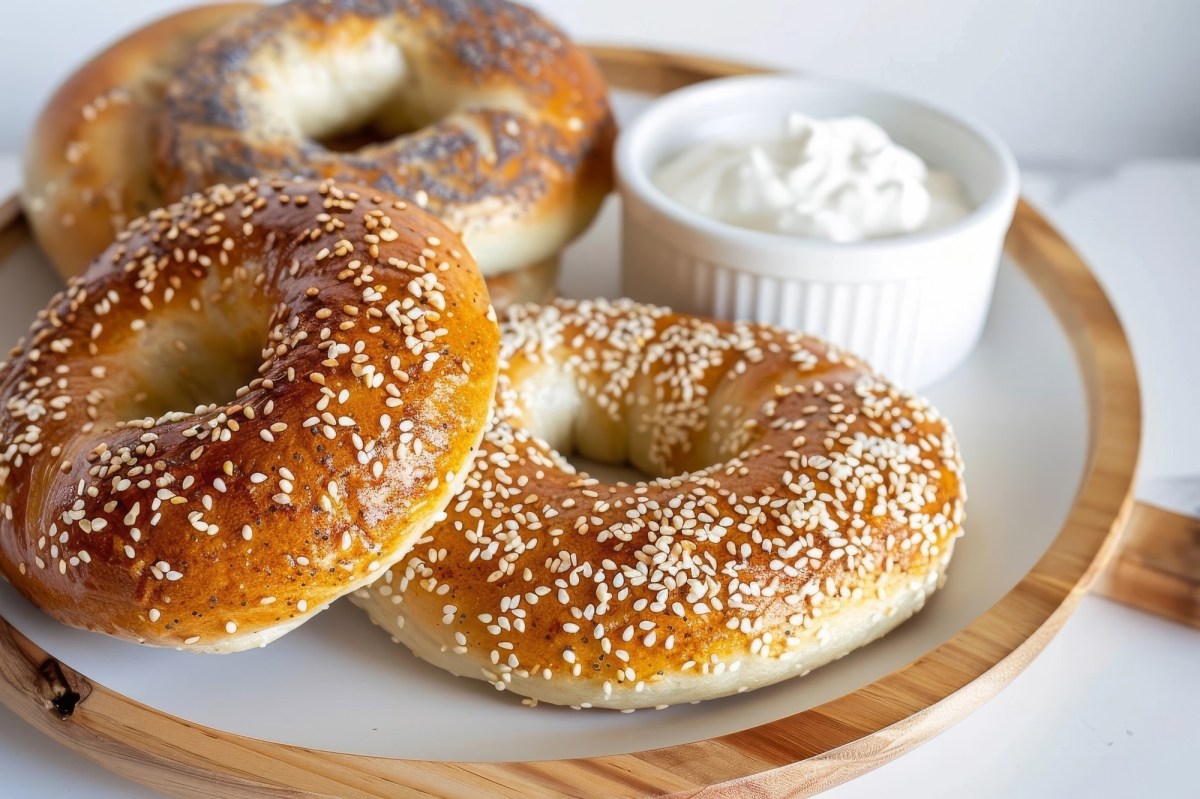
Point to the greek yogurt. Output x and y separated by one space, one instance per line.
840 180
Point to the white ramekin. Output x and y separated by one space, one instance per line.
913 306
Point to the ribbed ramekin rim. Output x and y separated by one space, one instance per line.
636 184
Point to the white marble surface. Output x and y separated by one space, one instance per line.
1107 709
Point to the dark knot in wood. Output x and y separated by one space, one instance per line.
62 698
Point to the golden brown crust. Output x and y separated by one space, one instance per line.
89 162
806 506
144 497
514 132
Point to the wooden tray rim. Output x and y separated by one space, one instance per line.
799 754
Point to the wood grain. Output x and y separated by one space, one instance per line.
793 756
1158 568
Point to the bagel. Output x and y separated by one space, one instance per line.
483 113
89 165
489 117
801 507
251 404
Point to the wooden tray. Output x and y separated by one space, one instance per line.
797 755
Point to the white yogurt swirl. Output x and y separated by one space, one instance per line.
841 180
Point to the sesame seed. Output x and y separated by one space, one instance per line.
721 548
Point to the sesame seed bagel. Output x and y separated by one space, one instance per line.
251 404
89 166
803 506
483 113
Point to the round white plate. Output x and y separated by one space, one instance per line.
338 683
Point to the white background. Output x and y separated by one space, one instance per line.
1081 80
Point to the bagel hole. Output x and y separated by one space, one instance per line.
611 473
382 120
185 365
354 95
577 429
619 449
360 138
388 118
